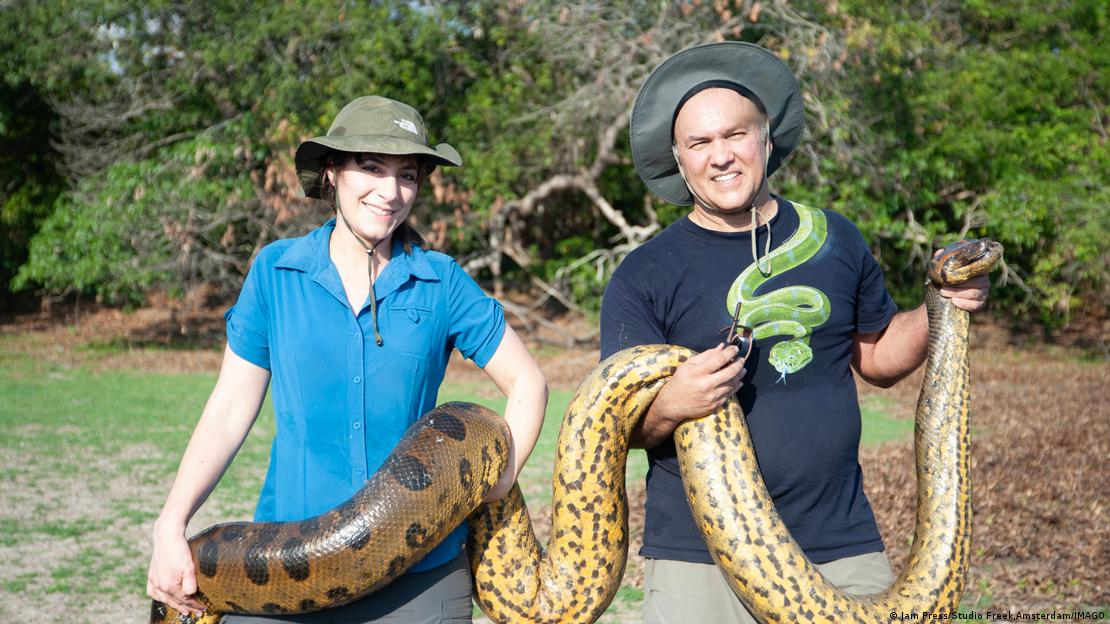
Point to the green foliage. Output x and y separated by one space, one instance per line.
1006 134
122 233
989 120
214 99
175 124
28 182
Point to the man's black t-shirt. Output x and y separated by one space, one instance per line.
803 413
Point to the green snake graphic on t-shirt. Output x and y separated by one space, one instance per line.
791 311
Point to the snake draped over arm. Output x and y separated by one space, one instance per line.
452 456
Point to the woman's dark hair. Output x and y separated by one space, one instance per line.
405 233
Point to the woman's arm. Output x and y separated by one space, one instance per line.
519 378
227 418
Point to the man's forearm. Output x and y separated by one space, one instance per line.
652 430
897 351
699 385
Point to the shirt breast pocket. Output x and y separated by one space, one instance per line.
411 330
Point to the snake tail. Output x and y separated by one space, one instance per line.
439 472
578 575
765 566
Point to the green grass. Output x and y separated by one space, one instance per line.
117 437
74 414
19 583
878 423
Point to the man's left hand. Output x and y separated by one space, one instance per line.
972 295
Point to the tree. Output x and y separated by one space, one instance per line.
174 125
991 120
29 183
180 154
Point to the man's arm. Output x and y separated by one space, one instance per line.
700 385
885 357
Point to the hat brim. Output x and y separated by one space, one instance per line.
745 64
310 154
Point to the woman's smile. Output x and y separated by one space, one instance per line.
380 211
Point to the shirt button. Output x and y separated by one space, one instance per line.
359 471
357 336
358 425
358 379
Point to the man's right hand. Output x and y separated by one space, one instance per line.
700 385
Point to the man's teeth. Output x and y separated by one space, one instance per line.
725 178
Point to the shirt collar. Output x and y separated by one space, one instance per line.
310 254
416 263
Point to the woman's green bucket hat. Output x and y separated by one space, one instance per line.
372 124
732 63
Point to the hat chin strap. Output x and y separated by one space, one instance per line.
369 267
766 272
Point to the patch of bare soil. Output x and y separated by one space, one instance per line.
1040 482
180 339
160 339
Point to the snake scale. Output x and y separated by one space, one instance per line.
452 456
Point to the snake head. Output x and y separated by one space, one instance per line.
963 260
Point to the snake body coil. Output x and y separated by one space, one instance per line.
424 489
441 470
748 540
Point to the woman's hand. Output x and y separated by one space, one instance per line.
224 424
172 576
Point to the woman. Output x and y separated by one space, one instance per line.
354 323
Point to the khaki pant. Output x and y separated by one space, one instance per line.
679 592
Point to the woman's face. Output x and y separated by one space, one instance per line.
375 193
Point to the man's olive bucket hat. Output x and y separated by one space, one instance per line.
372 124
744 67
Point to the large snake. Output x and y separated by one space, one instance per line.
451 457
789 311
439 472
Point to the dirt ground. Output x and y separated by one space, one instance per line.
1041 431
1040 481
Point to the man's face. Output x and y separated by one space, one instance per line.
720 143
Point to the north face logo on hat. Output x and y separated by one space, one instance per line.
405 124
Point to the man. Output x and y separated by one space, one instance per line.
708 127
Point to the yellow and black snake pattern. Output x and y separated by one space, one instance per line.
436 476
355 549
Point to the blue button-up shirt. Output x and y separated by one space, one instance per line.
342 402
